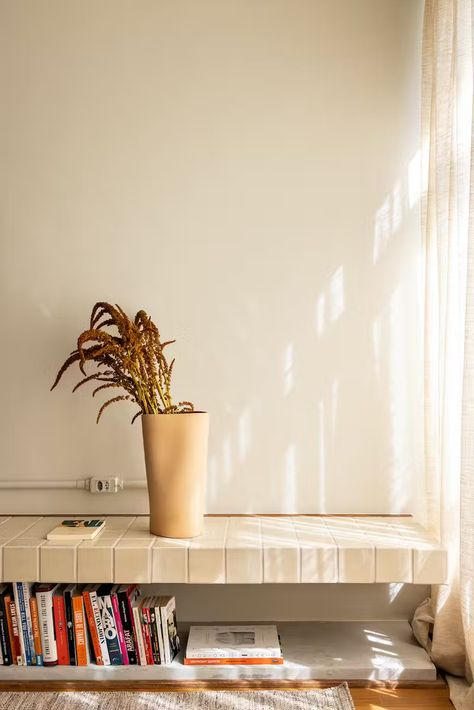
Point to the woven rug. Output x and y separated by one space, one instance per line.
338 698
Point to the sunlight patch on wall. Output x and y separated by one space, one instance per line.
290 494
382 228
288 371
414 179
377 346
227 458
334 404
244 434
320 314
336 290
321 493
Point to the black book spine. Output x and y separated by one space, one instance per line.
70 628
127 625
4 636
154 637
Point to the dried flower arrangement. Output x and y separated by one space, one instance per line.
132 359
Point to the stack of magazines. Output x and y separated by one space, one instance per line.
58 624
219 645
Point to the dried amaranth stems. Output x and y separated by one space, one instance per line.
131 358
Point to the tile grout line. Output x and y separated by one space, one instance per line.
116 543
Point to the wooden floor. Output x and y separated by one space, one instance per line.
401 699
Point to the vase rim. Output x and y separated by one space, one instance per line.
173 414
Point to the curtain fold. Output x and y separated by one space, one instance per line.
445 623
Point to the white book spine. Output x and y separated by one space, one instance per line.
100 628
138 632
166 639
159 631
46 624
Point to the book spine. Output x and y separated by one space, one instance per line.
79 630
8 614
146 622
22 626
110 631
164 629
173 633
70 627
92 629
126 617
19 654
154 637
36 631
59 613
159 633
139 636
4 635
232 661
119 627
29 625
47 630
100 629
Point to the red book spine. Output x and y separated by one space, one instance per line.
16 633
92 628
60 625
147 636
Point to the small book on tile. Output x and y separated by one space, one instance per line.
75 530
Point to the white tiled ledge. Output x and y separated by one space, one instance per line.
232 550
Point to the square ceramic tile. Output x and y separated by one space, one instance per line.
21 560
58 563
244 552
95 558
318 550
393 564
281 551
140 529
16 526
206 561
132 561
169 560
430 566
356 553
42 527
118 523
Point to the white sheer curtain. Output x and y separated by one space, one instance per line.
445 623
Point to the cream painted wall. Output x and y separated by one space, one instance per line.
247 172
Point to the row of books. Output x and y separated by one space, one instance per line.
57 624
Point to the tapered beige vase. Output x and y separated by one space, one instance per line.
176 469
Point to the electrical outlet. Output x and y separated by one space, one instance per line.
105 485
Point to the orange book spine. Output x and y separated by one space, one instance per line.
35 627
93 629
79 630
10 627
233 661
